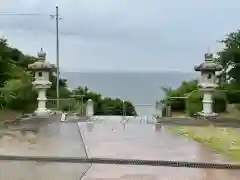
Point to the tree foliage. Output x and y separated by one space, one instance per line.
16 90
229 58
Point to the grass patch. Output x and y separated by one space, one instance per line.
224 140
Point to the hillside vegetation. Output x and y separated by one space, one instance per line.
17 94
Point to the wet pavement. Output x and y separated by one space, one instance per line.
49 138
147 141
104 138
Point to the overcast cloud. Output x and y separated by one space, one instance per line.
121 34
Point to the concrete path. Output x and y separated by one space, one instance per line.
50 138
103 138
146 141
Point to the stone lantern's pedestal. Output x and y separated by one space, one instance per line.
42 112
207 101
41 109
41 85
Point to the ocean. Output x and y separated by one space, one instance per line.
143 89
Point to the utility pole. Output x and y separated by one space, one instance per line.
57 55
56 16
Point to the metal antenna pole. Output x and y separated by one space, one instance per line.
57 55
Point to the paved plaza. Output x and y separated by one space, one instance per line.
103 138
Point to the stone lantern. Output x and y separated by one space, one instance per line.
41 83
208 83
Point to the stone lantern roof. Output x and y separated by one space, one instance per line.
209 64
41 64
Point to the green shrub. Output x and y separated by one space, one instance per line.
219 104
232 93
194 103
177 104
233 97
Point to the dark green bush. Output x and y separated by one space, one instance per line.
177 104
233 97
194 103
219 104
176 96
232 93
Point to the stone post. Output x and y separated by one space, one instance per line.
158 110
168 111
89 108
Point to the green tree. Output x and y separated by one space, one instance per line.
229 56
223 60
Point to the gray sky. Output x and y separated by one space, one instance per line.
122 34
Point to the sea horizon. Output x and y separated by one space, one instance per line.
136 70
136 87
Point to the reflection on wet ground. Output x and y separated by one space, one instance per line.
49 138
147 141
104 138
